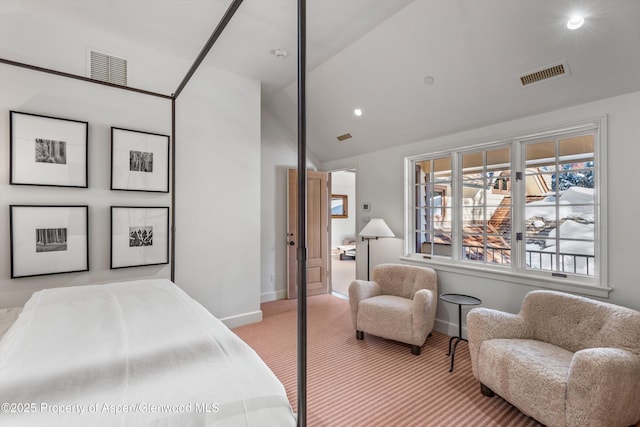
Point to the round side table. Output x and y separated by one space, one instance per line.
460 300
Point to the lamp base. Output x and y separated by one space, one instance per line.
368 239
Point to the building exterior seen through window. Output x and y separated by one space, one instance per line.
524 205
560 205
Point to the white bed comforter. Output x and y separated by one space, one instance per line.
129 354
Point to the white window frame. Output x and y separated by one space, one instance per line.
459 184
413 186
516 271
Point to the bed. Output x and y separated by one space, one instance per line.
132 353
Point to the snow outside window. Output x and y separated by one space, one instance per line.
560 210
486 206
526 206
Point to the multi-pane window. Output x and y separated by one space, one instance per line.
486 206
529 206
560 205
432 208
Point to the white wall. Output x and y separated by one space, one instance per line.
222 259
344 182
381 182
279 153
218 229
68 41
218 194
34 92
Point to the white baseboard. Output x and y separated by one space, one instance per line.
449 328
242 319
441 326
339 295
273 296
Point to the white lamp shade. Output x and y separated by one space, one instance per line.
376 228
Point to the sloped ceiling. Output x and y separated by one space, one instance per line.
475 51
370 54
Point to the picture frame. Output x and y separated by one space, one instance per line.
139 236
139 161
339 206
48 151
48 239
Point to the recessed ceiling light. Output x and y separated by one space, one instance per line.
279 53
357 112
575 22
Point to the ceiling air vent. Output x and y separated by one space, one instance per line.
344 137
551 72
108 68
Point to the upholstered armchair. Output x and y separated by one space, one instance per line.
398 304
564 360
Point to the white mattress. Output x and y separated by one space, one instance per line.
132 353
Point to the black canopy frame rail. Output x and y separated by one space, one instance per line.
302 172
302 213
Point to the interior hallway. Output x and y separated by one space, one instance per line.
342 274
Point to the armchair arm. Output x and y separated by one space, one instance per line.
423 314
603 388
359 290
485 324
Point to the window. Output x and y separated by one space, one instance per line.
432 211
486 214
526 206
560 205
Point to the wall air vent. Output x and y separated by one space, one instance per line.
108 68
344 137
543 74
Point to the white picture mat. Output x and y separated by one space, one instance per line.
125 141
25 221
25 170
123 255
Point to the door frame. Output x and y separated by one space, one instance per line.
354 212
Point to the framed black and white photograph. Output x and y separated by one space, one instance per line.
48 151
139 161
48 239
139 236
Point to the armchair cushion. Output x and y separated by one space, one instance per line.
541 387
388 316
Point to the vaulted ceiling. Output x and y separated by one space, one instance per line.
372 54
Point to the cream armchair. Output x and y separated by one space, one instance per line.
398 304
563 360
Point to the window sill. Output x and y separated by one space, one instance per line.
555 284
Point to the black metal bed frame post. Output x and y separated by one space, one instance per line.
302 216
173 188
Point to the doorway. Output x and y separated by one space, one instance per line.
343 231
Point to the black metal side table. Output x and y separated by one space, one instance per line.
460 300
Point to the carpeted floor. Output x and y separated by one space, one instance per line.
374 382
342 273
